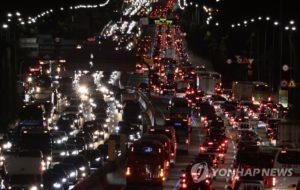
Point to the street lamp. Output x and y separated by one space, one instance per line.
292 22
18 14
9 15
276 23
294 28
286 28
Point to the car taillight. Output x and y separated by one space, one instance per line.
161 173
187 141
184 185
172 154
128 172
210 143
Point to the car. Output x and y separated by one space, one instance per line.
171 134
78 142
69 169
142 155
54 180
132 132
94 158
80 163
187 180
242 183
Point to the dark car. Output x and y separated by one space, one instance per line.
80 163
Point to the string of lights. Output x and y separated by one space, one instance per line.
33 19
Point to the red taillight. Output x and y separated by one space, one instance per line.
210 143
128 172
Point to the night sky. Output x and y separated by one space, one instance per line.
232 10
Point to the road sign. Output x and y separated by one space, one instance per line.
284 83
285 68
292 84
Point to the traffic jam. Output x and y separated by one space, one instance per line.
74 123
64 125
240 125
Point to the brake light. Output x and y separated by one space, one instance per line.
152 130
210 143
187 141
273 181
184 185
183 175
207 181
128 172
172 154
167 119
161 173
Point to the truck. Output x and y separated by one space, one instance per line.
242 90
207 81
257 92
23 170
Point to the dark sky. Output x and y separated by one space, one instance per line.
231 10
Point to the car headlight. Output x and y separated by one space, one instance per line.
131 137
7 145
74 152
33 188
82 168
72 174
63 154
57 185
140 117
97 159
49 158
64 180
83 90
29 79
